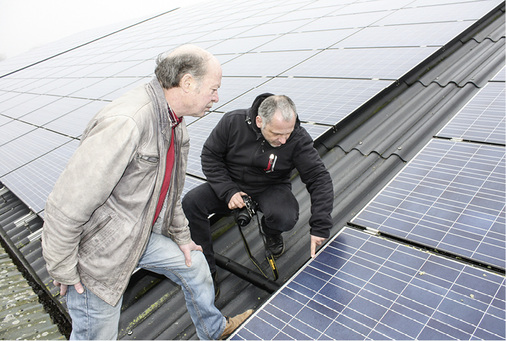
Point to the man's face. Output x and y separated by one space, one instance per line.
205 92
277 131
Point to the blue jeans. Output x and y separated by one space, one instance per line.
93 319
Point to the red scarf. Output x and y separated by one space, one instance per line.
169 164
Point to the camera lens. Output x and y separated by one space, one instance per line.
242 217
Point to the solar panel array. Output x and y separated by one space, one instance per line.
450 199
451 196
329 56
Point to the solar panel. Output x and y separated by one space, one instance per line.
35 180
12 129
53 110
74 122
306 40
387 63
406 35
324 101
501 76
345 21
239 45
4 120
449 197
27 148
315 130
427 11
274 28
233 87
199 131
482 119
23 104
264 64
361 286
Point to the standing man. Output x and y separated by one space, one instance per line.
116 206
253 152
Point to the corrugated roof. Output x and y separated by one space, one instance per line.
22 316
363 151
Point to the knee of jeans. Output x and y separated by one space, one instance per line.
201 266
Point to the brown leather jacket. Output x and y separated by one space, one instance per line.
99 215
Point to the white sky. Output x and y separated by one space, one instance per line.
25 24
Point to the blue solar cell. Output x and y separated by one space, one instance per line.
462 213
436 298
482 119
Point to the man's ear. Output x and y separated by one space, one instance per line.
186 82
258 121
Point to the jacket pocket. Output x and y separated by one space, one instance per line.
104 250
93 227
148 159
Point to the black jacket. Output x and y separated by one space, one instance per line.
235 157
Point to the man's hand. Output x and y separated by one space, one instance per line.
187 248
63 287
236 201
315 243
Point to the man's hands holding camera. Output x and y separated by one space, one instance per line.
237 201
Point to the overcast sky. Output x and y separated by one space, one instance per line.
25 24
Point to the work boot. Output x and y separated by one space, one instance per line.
214 275
234 322
275 244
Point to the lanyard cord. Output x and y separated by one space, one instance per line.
268 254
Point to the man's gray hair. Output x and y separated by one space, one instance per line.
272 103
172 66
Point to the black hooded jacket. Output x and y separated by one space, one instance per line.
235 158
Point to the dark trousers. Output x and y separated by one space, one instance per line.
277 203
